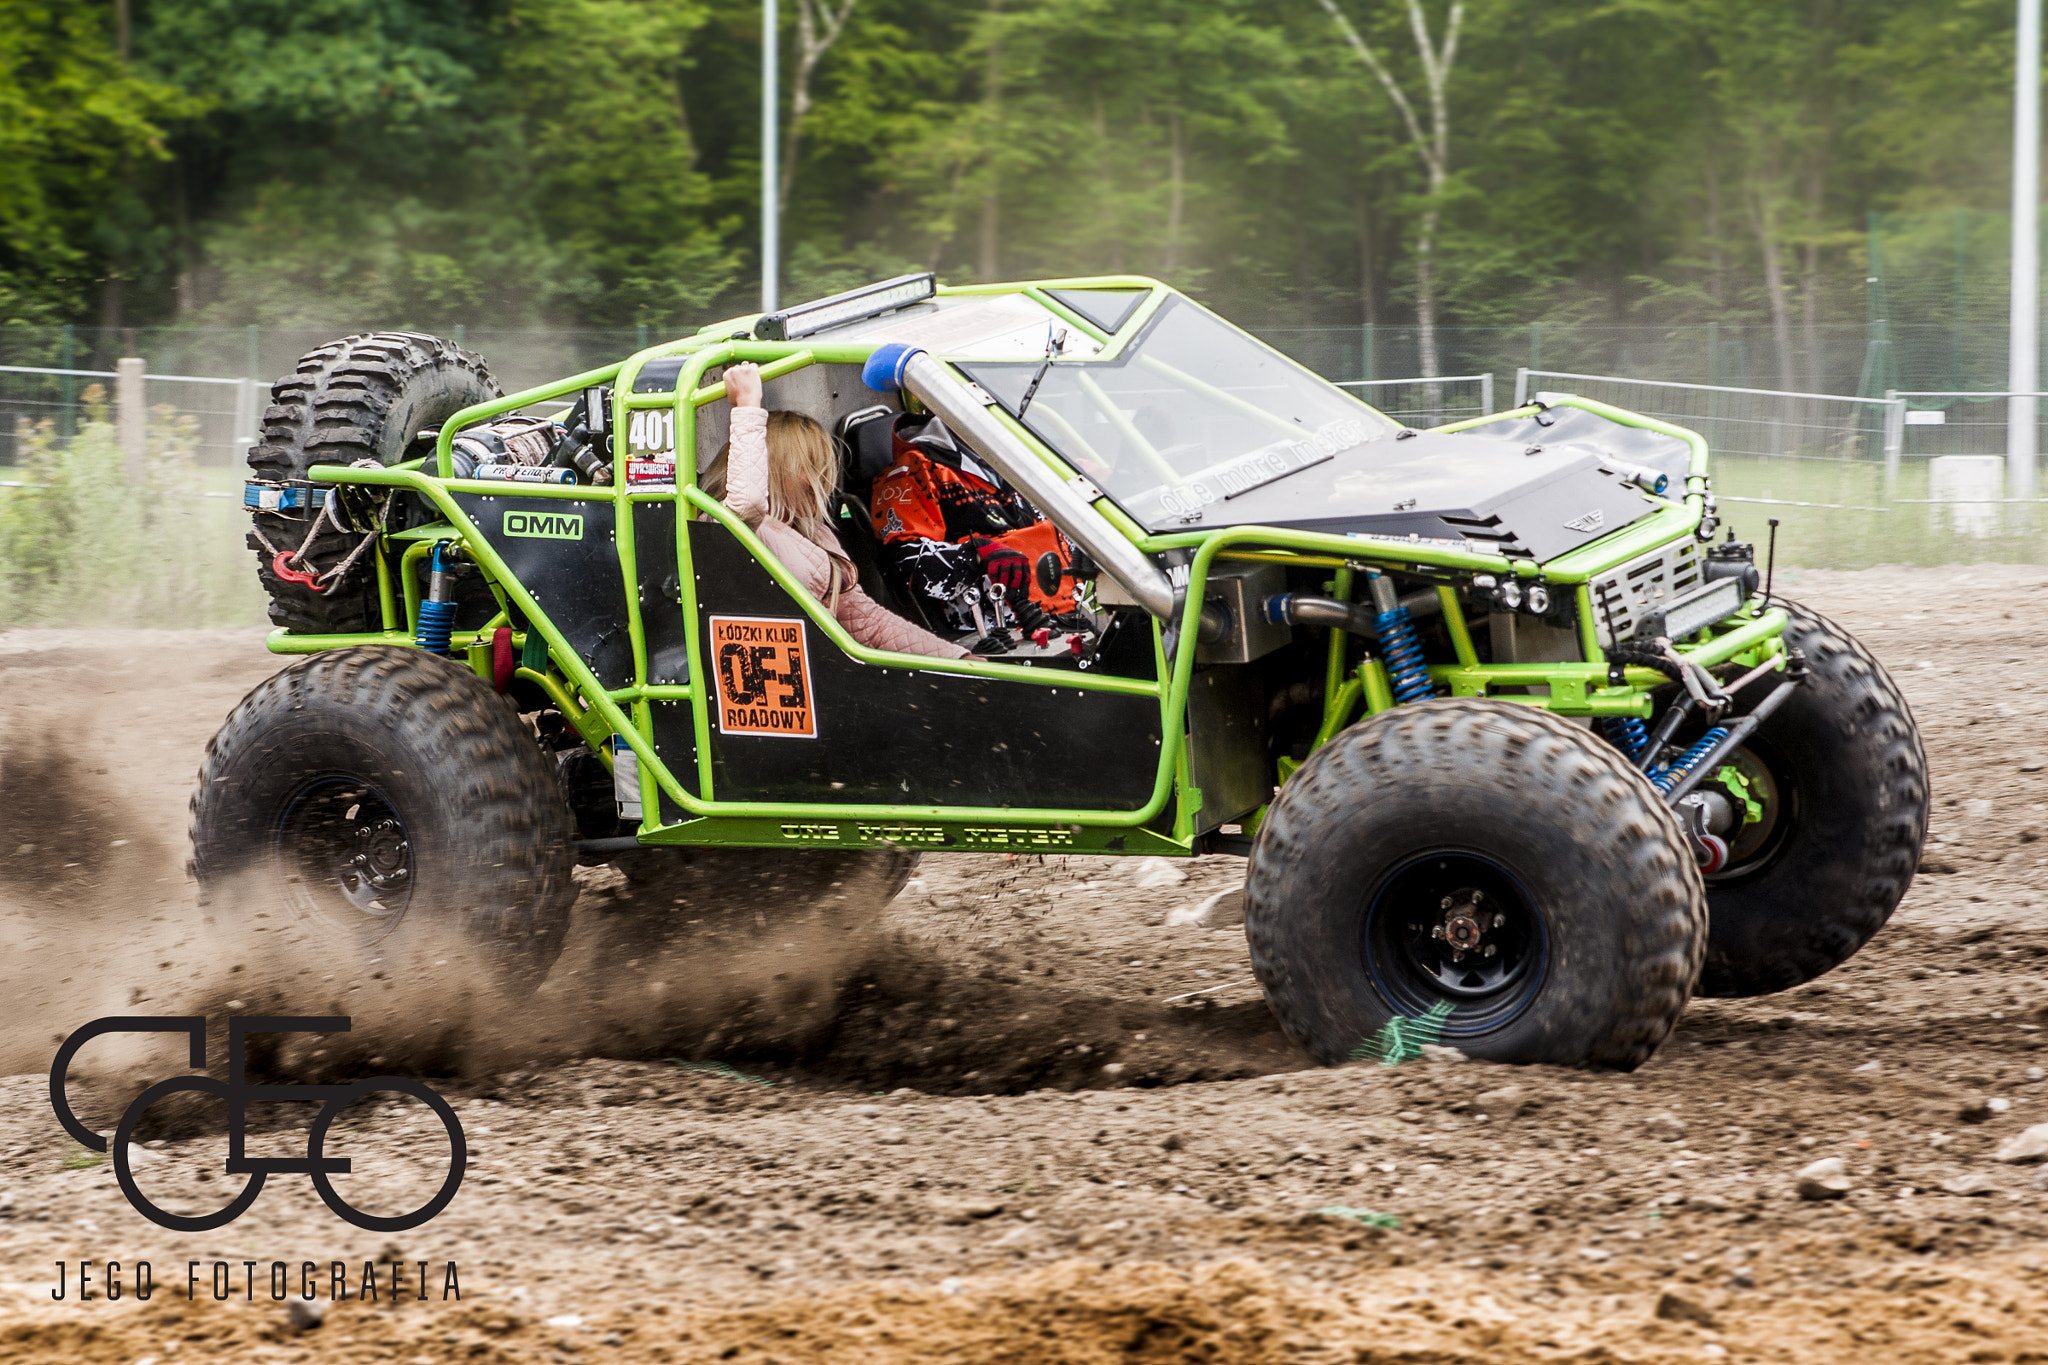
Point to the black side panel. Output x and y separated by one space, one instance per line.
565 552
661 592
904 737
675 739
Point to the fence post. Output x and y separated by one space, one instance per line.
1486 394
640 337
131 415
1522 386
245 415
1365 355
67 418
1894 437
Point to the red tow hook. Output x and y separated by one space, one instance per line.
281 566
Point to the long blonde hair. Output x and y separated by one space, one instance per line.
803 473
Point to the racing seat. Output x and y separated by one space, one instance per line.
863 441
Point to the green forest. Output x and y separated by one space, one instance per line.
595 163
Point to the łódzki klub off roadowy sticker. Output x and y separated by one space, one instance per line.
763 668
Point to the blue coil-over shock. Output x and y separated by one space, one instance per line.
1627 734
437 612
1664 779
1400 651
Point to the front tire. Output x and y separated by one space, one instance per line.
385 797
1844 781
1420 839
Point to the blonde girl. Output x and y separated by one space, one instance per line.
780 471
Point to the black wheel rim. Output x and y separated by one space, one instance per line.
1454 928
345 857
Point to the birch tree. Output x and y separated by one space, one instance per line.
818 26
1432 144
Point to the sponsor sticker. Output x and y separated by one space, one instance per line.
763 668
545 525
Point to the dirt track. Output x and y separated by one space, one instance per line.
1011 1143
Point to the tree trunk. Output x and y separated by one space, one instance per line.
1106 191
1717 264
989 266
1765 224
1175 195
1809 286
1368 294
1425 283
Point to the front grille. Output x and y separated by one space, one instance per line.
1625 596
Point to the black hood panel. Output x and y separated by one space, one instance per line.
1481 489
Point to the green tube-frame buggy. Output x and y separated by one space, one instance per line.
1512 746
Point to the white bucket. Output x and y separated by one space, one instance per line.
1966 490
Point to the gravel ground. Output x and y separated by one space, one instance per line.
1026 1118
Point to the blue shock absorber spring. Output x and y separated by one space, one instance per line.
1626 733
437 612
1664 779
1401 652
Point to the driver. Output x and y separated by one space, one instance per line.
946 521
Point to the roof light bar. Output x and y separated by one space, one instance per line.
855 305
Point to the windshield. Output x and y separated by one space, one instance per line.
1192 414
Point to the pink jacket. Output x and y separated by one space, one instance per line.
746 493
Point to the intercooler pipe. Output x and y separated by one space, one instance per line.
1295 609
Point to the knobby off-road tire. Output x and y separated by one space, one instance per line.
1845 827
393 803
363 397
1602 917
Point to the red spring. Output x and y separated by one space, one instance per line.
281 566
503 660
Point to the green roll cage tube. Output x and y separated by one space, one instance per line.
1752 636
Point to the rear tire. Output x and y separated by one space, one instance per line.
1843 828
364 397
385 795
1505 827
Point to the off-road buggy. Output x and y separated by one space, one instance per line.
1512 743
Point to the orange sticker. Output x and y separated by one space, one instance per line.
764 677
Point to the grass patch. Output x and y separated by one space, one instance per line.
83 545
1385 1221
1845 536
78 1159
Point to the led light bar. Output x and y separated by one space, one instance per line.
1693 612
855 305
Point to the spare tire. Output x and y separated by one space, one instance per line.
367 396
